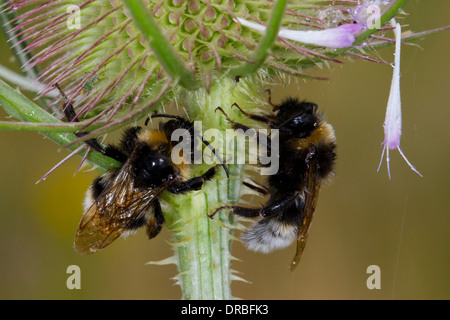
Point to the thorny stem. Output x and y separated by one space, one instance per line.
21 108
203 245
265 45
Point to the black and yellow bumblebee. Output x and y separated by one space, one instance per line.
306 159
126 198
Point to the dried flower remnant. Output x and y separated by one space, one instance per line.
393 121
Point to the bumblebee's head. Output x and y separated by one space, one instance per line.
186 135
151 168
169 130
298 118
170 126
180 133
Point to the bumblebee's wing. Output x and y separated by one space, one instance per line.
120 206
311 196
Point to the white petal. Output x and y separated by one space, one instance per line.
393 120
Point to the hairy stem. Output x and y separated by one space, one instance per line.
203 245
21 108
265 45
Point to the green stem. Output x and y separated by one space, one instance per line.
263 50
21 108
386 17
46 127
203 245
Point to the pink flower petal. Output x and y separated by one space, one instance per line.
339 37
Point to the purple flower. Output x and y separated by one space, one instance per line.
339 37
393 121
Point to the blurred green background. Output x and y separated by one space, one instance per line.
362 219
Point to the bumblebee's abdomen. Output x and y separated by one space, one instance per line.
97 187
269 234
291 174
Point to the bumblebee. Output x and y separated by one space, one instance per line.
126 198
306 159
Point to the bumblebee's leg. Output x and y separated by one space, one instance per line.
239 210
269 99
195 183
280 205
258 188
93 143
257 117
155 223
70 114
126 146
236 125
267 211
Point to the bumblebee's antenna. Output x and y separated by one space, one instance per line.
161 115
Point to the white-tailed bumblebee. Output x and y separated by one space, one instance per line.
126 198
306 159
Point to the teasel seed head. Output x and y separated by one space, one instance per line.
112 72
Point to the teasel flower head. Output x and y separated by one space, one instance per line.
118 61
111 57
